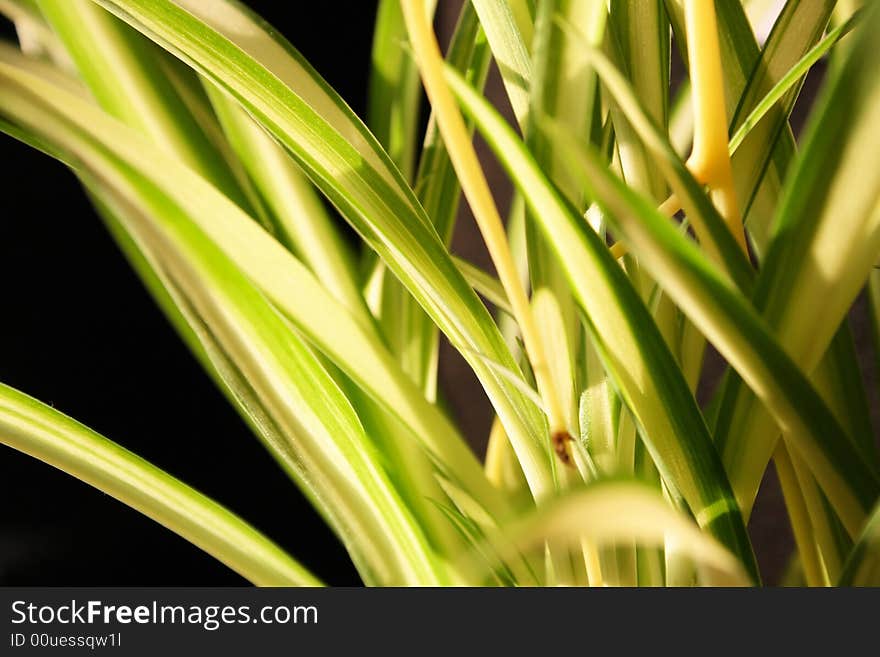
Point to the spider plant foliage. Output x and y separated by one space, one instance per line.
650 220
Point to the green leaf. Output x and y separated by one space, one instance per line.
123 70
639 34
485 284
838 378
838 369
783 89
862 568
739 57
436 185
563 86
709 225
410 333
35 36
509 25
350 344
42 432
634 353
395 90
307 422
825 242
639 40
268 77
799 26
728 320
299 219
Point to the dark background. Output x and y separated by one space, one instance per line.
79 332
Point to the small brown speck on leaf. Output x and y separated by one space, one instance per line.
560 446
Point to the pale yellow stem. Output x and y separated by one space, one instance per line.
669 207
710 157
710 164
494 464
709 161
592 563
476 191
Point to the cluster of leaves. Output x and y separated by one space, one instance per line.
208 145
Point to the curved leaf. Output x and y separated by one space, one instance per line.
508 25
610 512
42 432
306 421
235 50
863 566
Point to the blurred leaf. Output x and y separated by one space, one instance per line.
395 91
411 334
299 219
863 566
123 70
799 26
307 422
614 512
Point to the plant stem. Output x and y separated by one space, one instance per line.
479 197
710 158
592 562
669 207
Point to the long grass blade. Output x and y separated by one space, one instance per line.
123 71
409 331
509 26
395 94
863 566
46 434
312 428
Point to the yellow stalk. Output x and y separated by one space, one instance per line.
494 464
476 191
592 563
618 250
669 207
709 161
710 158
